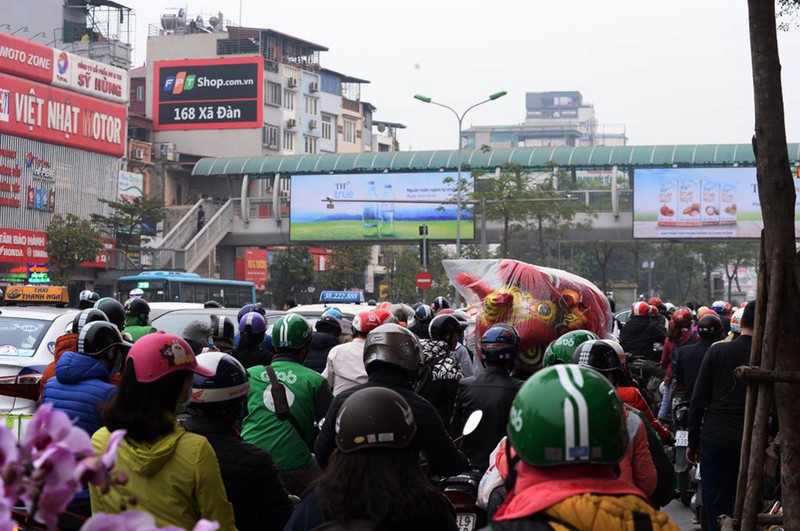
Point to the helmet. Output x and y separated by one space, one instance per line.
682 318
726 308
443 325
623 362
439 303
640 309
137 306
423 314
669 307
222 327
159 354
598 355
87 316
736 321
394 345
328 324
89 295
567 414
136 292
561 350
655 301
252 323
333 312
718 307
499 343
704 310
291 331
384 316
247 308
710 326
113 309
98 336
222 392
197 334
365 322
374 417
653 311
212 304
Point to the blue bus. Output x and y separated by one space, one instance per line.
171 286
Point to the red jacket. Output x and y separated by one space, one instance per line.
64 343
669 347
637 466
633 397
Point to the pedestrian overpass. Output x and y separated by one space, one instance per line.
263 220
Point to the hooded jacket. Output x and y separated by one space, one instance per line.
321 345
65 342
79 389
176 479
138 326
439 378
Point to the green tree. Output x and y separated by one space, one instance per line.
128 218
291 273
402 265
346 268
70 242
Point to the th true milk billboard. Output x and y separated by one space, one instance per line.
371 207
698 203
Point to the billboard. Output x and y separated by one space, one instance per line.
698 203
208 93
255 266
130 186
371 207
55 116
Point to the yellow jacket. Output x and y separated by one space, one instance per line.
176 479
609 513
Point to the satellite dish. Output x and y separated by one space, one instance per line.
381 128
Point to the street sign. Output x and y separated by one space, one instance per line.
424 280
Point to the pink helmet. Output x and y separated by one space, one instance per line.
158 354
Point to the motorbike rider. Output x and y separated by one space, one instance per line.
287 433
115 312
461 353
137 318
252 331
680 333
440 372
561 350
345 364
392 356
323 339
198 335
439 303
87 298
736 325
223 332
565 476
690 357
491 391
641 334
724 310
422 321
252 482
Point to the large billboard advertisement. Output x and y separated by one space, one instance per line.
208 93
698 203
370 207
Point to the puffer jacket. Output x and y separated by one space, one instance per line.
138 326
251 480
438 381
321 345
176 479
640 334
79 389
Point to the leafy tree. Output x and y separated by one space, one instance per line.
402 265
127 219
346 268
291 273
738 255
70 242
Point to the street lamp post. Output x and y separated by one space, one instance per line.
460 118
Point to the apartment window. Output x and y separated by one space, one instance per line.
310 144
140 93
350 131
311 104
327 127
273 93
269 136
288 99
288 140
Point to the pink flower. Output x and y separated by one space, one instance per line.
53 426
136 521
97 469
52 502
9 452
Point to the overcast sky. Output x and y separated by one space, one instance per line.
672 72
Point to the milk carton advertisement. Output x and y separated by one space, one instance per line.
689 199
668 201
709 207
728 210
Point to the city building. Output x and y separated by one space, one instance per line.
557 118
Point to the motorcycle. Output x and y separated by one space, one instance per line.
685 488
649 376
462 490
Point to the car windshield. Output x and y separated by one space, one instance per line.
21 337
175 322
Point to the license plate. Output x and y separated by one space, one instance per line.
682 438
465 521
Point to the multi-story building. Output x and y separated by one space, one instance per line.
558 118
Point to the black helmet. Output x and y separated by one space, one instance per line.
212 304
113 309
222 327
223 393
443 325
87 298
440 303
599 355
137 306
393 345
328 324
709 326
87 316
374 417
98 336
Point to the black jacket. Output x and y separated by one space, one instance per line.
321 345
443 456
493 392
421 329
640 333
689 357
251 480
251 355
439 376
718 397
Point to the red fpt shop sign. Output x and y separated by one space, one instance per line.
36 111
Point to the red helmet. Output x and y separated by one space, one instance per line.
365 322
682 318
384 316
727 309
653 311
703 311
655 301
640 309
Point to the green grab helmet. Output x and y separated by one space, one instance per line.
562 349
568 415
291 331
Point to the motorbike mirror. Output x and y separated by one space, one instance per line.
472 421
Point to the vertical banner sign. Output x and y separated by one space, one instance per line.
255 267
208 94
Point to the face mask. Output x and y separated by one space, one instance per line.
115 370
181 408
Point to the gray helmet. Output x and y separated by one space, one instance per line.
393 345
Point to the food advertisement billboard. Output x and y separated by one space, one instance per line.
208 93
376 207
685 203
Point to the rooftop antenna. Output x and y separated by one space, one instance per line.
240 13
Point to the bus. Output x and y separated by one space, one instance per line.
172 286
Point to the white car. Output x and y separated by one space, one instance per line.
27 342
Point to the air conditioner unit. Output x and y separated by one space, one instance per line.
138 154
312 124
313 87
291 82
272 145
291 122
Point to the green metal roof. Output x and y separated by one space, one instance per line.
530 158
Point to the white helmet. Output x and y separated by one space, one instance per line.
136 292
